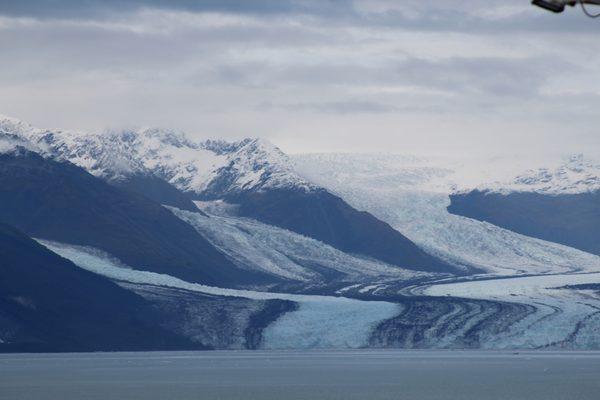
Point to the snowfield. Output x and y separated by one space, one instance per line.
319 321
411 194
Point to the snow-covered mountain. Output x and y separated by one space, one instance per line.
557 201
412 194
210 168
215 167
566 175
238 245
252 173
60 201
14 134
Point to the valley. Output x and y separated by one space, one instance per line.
241 246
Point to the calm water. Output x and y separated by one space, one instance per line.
278 375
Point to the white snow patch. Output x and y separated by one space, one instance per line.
12 136
346 288
368 288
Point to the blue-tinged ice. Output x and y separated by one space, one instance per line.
318 322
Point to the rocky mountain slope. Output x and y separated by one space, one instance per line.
47 303
413 194
559 204
252 173
60 201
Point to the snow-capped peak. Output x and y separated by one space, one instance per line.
16 127
14 136
255 164
166 137
220 146
211 168
574 174
15 145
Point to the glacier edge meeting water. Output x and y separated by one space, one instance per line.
319 321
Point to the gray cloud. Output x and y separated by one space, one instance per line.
323 73
65 9
337 107
490 76
432 15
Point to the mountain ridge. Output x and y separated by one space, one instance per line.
60 201
253 173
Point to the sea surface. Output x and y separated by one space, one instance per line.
282 375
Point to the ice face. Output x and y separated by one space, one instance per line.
328 322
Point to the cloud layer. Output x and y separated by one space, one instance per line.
340 75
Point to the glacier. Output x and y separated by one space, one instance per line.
524 293
412 194
564 315
284 253
501 313
318 322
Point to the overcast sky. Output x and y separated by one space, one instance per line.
410 76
